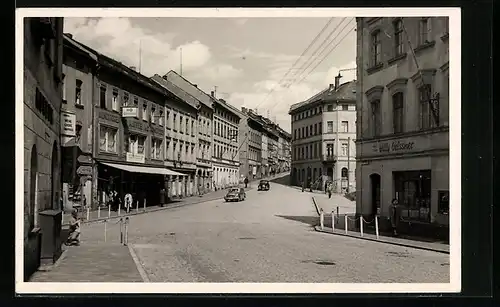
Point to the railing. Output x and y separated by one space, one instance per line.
329 158
362 221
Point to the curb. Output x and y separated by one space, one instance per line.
317 228
138 264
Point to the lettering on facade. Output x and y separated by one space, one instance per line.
109 116
135 125
395 146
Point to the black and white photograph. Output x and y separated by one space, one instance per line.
238 150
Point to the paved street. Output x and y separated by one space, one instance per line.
267 238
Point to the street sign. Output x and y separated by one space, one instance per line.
84 170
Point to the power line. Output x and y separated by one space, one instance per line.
297 60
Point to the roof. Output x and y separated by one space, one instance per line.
345 91
190 100
79 46
229 107
189 88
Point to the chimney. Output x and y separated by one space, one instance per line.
69 35
244 110
133 68
330 87
212 94
195 85
337 81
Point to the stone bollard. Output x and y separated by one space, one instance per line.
99 212
376 226
361 224
345 222
88 213
105 230
109 211
333 220
321 219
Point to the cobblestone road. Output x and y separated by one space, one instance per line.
266 238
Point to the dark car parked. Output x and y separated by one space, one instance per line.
235 194
263 185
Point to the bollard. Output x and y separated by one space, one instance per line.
62 218
361 224
338 213
99 212
376 226
119 210
345 222
333 220
121 230
109 211
88 213
105 230
137 206
144 205
126 231
321 219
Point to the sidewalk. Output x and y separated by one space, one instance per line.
330 204
92 263
95 215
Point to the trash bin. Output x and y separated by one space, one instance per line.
50 225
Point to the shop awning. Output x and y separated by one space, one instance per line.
144 169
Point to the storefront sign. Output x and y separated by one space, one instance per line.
84 170
135 125
137 158
130 112
68 124
395 146
109 116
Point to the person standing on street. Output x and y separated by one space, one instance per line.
246 182
330 190
162 197
128 202
395 216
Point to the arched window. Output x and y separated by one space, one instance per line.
344 172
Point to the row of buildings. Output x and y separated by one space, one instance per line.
393 122
92 125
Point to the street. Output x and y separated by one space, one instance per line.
266 238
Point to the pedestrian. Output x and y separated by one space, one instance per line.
162 197
311 186
74 230
303 185
330 190
326 186
128 202
246 182
395 216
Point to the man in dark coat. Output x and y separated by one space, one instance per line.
395 215
162 197
246 182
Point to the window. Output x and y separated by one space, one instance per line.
102 97
424 31
424 93
114 100
444 202
160 118
78 92
295 134
320 127
376 49
181 124
398 37
107 139
344 125
344 173
345 150
153 115
156 149
307 152
136 103
311 130
175 123
375 118
44 107
145 112
329 108
192 127
329 126
397 114
345 107
125 99
413 190
315 129
187 125
302 133
329 150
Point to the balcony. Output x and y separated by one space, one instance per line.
329 158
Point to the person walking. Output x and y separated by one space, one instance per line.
330 190
128 202
246 182
162 197
395 216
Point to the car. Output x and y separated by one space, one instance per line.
263 185
235 194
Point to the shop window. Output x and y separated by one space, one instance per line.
107 139
444 202
413 190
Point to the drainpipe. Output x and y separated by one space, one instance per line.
93 190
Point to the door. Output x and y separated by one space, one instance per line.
375 193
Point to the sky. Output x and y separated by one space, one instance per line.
244 60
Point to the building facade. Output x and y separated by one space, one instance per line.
284 151
205 114
403 117
42 101
250 145
323 133
225 158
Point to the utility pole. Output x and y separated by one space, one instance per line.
348 162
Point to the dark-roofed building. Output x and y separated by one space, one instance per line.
323 136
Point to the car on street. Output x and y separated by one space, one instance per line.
235 194
263 185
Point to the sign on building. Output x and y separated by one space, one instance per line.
130 112
136 158
68 123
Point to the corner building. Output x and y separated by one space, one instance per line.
403 117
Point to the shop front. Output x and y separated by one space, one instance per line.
415 171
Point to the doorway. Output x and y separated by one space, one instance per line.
375 193
33 188
55 201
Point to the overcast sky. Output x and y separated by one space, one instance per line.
244 57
